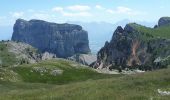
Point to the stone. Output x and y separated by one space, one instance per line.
163 93
129 49
63 40
164 21
85 59
47 56
56 72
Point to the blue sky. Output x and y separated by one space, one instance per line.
61 11
83 10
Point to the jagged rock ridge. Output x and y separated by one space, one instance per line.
64 40
137 46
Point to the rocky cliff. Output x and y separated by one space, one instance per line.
137 46
64 40
164 21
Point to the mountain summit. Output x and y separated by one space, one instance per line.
137 46
64 40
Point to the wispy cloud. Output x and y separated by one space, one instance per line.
99 7
79 14
124 10
79 8
110 11
73 11
17 14
58 9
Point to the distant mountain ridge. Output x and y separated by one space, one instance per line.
99 32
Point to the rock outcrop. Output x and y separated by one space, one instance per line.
136 46
13 53
85 59
164 21
17 53
64 40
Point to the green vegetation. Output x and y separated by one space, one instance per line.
160 32
71 72
6 58
65 80
131 87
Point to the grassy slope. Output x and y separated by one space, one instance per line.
72 72
79 83
6 58
132 87
160 32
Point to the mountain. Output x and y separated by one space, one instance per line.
99 32
137 46
64 40
164 21
23 74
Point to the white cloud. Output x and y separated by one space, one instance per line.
79 14
110 11
17 14
79 8
81 11
99 7
124 10
57 9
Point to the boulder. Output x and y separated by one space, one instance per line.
47 56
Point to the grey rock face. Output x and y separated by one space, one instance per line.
47 56
85 59
23 52
129 48
164 21
64 40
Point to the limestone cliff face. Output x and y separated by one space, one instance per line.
164 21
136 46
64 40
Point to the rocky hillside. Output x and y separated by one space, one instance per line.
85 59
64 40
17 53
137 46
12 53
